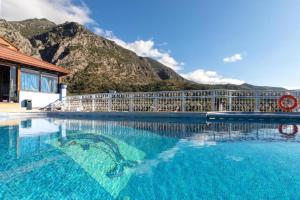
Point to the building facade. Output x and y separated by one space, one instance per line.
23 78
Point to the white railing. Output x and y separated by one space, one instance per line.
180 101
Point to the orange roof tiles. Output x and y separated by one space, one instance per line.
5 43
18 57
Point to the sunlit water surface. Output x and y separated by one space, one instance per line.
105 159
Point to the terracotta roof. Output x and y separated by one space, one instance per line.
18 57
5 43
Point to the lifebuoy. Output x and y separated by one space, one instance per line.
287 107
292 134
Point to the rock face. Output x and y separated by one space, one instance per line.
96 64
13 36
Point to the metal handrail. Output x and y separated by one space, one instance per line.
180 101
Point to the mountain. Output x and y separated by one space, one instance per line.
96 63
32 27
247 86
13 36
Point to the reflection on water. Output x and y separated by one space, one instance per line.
49 158
208 131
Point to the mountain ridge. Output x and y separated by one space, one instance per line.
96 63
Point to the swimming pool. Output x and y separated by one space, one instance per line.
52 158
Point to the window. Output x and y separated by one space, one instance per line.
30 81
49 84
38 81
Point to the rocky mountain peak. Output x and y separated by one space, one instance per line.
32 27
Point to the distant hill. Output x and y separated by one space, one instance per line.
254 87
96 64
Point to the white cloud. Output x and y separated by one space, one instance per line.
209 77
58 11
147 49
292 88
234 58
144 48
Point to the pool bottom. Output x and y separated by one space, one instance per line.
106 159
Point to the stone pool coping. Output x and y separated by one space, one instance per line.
105 115
252 115
156 115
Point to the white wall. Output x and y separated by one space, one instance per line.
39 99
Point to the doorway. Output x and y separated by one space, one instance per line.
8 84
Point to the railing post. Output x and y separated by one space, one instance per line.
213 101
93 103
230 101
69 105
155 101
80 104
63 104
131 103
109 102
257 101
183 102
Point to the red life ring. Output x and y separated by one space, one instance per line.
292 134
287 108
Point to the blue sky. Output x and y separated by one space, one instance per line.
259 38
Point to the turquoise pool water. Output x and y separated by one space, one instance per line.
119 159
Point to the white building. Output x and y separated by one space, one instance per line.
27 79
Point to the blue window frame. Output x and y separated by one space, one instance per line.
38 81
30 81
